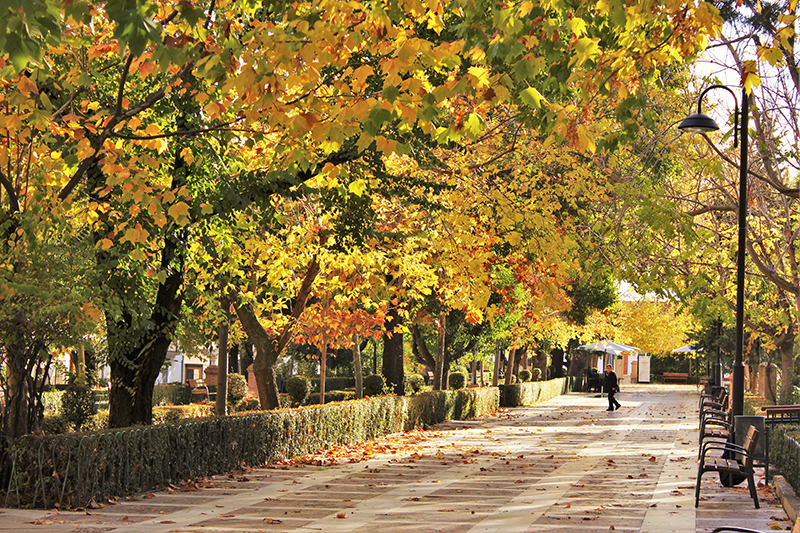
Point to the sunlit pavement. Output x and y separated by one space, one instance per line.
566 465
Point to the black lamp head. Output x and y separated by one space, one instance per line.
698 123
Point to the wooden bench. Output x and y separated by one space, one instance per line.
675 376
789 414
199 389
732 460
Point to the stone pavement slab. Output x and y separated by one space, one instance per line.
563 466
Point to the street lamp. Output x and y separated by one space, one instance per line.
700 123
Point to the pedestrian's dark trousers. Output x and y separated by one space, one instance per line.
612 402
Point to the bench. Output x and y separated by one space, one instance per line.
675 376
731 459
199 389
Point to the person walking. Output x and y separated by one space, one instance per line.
612 387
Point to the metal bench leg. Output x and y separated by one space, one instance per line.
697 488
752 486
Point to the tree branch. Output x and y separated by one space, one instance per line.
124 78
711 209
12 195
791 193
770 273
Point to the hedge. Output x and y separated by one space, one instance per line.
69 471
172 394
521 394
333 383
52 400
784 452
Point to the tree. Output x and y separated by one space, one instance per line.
102 98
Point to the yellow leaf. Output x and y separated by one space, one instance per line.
481 76
187 155
26 86
180 213
105 244
358 187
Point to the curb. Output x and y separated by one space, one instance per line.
789 500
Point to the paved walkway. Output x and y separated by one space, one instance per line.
563 466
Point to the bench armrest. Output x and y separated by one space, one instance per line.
715 422
726 447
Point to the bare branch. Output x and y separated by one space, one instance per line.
712 209
123 79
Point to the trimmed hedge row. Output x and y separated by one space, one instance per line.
52 400
784 452
332 384
68 471
521 394
172 394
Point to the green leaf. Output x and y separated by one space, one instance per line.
531 97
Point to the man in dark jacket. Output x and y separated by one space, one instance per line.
612 387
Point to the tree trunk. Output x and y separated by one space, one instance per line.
786 348
438 373
222 358
269 347
496 374
323 362
518 358
16 401
134 370
577 365
393 350
420 349
510 365
80 363
357 364
233 359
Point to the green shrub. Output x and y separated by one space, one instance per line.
99 422
332 383
298 388
415 382
77 405
525 375
52 401
374 385
536 374
172 394
339 396
456 380
237 387
101 399
54 425
248 403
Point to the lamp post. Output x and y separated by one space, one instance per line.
700 123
